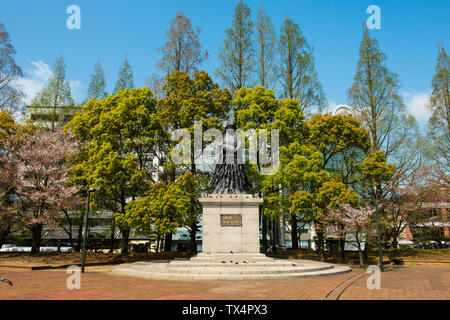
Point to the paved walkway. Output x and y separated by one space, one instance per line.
403 282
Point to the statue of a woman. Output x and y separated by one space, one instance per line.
229 176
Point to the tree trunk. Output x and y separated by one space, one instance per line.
342 247
270 231
320 247
366 247
168 242
274 235
361 259
294 234
4 234
113 229
36 231
125 240
193 232
395 243
80 234
161 244
158 239
264 233
70 230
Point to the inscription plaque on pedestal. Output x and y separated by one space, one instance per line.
230 220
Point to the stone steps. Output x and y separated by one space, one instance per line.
232 265
228 276
236 257
182 270
267 270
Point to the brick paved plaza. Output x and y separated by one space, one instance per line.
398 282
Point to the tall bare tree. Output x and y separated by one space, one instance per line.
439 122
156 84
54 98
97 86
299 78
182 51
10 95
374 98
125 80
266 51
236 58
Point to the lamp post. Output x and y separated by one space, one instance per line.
380 250
83 260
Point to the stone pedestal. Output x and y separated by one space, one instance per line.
230 249
230 224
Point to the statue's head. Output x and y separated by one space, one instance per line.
230 125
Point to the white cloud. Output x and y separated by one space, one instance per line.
37 76
75 88
417 104
415 101
35 79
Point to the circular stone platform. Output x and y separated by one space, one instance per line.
229 267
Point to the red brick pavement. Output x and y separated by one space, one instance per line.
405 282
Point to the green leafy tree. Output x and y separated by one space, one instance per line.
192 185
439 122
97 86
299 78
187 100
301 171
376 168
8 128
332 195
121 135
125 80
343 143
254 108
377 171
56 97
236 58
266 51
159 212
257 108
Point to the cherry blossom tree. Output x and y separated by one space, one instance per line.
397 208
348 220
410 203
36 167
7 218
423 198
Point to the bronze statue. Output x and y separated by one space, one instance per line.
230 178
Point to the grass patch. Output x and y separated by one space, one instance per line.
64 258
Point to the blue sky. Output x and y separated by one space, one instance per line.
410 31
